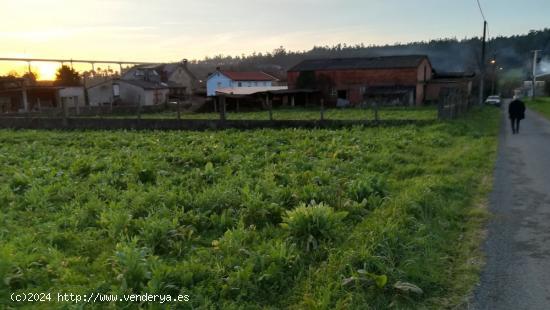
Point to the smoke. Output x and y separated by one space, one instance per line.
445 55
544 66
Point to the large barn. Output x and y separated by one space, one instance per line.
395 80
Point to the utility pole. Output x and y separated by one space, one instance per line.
482 71
534 86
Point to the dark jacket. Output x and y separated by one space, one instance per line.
516 109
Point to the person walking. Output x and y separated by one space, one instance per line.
516 111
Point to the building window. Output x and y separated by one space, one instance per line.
240 84
333 92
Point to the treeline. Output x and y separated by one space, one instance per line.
450 55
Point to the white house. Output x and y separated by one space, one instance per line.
233 79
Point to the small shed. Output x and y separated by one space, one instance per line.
72 96
128 92
266 97
449 80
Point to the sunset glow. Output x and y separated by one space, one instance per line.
45 70
157 31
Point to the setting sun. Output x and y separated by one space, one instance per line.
46 71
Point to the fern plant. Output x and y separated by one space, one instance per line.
308 225
132 266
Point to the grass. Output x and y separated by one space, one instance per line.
541 105
397 113
359 218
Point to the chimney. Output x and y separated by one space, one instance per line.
184 63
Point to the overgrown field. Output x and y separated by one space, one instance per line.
362 218
541 105
395 113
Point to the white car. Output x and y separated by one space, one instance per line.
494 100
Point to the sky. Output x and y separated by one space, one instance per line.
171 30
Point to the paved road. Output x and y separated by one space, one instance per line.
517 274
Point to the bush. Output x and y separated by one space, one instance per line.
157 233
20 183
116 221
132 266
365 188
311 224
147 176
257 211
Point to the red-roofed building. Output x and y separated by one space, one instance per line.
388 80
236 79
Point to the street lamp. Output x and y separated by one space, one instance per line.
493 62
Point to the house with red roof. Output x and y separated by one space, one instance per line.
237 80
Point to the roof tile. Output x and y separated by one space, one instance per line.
384 62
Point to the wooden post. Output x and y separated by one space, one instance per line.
292 101
376 110
322 109
216 104
238 105
75 101
178 108
111 105
269 106
38 103
139 108
25 99
440 109
222 108
65 111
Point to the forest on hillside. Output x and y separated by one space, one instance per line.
512 53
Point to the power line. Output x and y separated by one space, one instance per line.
483 50
481 10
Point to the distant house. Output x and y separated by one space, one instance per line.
128 92
181 81
449 80
102 93
233 79
24 95
391 79
141 85
527 88
72 96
